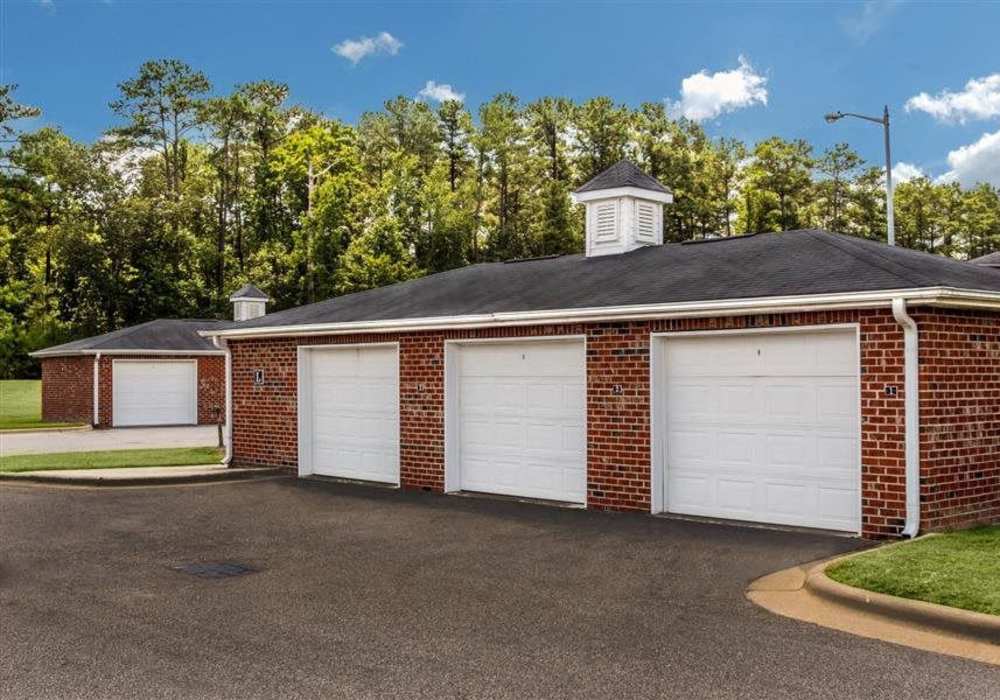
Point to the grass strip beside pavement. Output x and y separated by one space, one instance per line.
108 459
960 569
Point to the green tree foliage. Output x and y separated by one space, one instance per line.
836 167
375 258
193 192
11 110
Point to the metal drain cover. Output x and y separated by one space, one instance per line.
215 569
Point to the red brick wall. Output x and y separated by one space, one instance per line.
211 389
211 385
959 416
68 389
618 440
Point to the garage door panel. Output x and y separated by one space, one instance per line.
522 415
165 414
781 444
539 436
694 399
735 401
837 505
789 450
838 453
735 447
789 401
154 392
735 495
837 401
687 446
690 491
785 498
354 412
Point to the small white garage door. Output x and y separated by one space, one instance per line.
353 416
764 427
149 392
522 418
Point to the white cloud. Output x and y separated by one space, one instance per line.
439 92
706 96
904 172
356 49
977 162
864 25
979 100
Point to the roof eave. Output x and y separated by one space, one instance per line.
940 296
638 192
41 354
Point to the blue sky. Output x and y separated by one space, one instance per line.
744 70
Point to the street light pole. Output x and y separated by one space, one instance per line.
884 121
890 219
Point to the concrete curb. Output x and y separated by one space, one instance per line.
942 617
27 431
139 480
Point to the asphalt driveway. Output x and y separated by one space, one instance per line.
17 443
364 592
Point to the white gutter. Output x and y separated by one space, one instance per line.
911 387
78 353
97 391
227 456
941 296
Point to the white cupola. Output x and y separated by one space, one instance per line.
624 209
248 302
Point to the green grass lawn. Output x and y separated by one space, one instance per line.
21 405
169 457
960 569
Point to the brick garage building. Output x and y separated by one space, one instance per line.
156 373
800 378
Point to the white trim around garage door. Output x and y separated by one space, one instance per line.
114 385
304 399
452 449
657 404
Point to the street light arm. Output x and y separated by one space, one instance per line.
877 120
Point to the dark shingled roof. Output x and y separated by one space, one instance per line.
179 335
762 265
624 173
988 260
248 291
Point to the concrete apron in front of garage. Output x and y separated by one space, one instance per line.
112 439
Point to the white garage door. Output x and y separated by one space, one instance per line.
522 419
154 392
764 427
353 394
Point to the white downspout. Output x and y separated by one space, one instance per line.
227 456
97 389
911 386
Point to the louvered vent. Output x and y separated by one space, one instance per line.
645 221
606 220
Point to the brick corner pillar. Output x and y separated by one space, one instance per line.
618 428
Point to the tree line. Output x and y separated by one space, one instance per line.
190 193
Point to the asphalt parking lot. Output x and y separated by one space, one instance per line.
362 592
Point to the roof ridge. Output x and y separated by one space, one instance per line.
850 249
879 248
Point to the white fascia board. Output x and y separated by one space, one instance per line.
637 192
940 296
87 353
